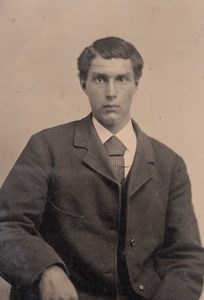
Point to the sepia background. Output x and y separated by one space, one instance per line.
40 41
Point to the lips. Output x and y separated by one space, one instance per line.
109 106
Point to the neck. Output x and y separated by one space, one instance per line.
114 129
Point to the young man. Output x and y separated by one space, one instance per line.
96 209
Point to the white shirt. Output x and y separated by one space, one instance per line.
126 135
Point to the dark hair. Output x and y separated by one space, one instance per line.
110 47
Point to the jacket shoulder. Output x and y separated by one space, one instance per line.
166 156
57 131
52 140
155 149
161 147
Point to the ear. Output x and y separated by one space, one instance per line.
83 85
135 87
136 82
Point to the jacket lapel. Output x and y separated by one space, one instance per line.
96 156
140 172
97 159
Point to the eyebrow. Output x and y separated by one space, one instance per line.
106 75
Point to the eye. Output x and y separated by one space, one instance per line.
122 78
99 79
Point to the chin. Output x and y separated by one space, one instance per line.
109 122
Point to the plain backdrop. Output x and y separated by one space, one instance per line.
40 41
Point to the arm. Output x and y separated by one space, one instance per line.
24 255
180 261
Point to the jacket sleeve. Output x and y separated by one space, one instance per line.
180 261
24 255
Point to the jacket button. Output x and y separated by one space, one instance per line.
141 287
132 243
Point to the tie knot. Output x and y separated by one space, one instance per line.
114 146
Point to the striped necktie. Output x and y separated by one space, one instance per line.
116 150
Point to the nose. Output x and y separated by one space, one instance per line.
111 89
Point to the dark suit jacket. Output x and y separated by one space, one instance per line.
61 204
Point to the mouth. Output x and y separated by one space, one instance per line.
110 106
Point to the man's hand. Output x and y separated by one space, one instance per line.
55 285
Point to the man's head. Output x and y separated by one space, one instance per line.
107 48
109 72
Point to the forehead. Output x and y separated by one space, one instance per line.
112 66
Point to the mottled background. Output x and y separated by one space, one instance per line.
40 41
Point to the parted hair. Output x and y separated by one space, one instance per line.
107 48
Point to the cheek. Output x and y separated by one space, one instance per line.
127 96
96 96
95 92
94 101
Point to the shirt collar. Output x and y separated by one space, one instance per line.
126 135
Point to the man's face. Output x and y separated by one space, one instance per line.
110 86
